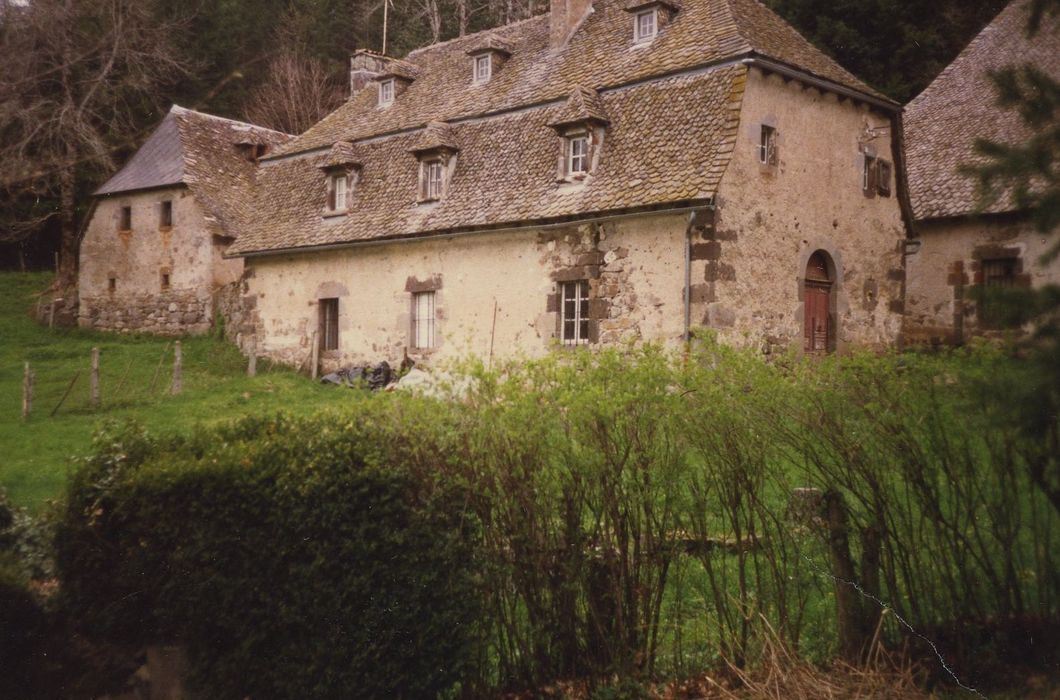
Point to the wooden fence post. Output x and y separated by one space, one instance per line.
178 361
252 359
27 392
93 384
51 315
316 357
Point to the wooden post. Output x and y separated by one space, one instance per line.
68 390
93 384
252 357
51 315
178 361
316 357
158 368
27 392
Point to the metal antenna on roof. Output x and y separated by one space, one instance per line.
386 7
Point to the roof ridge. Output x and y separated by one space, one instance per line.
177 109
455 39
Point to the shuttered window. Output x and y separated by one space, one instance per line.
329 324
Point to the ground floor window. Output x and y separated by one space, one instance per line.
329 324
574 312
423 320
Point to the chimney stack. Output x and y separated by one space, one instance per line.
564 18
365 65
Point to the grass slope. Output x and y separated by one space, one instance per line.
135 375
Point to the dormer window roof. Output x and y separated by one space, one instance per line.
436 151
487 56
343 155
436 137
584 108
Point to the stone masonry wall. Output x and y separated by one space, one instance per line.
151 278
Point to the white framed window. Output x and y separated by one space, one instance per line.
432 175
483 68
338 191
767 146
423 320
574 312
868 176
577 154
644 26
386 92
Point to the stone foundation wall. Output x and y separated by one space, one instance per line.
163 313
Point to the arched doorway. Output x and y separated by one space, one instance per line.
818 287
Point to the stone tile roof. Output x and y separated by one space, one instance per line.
599 54
959 107
672 105
656 152
200 151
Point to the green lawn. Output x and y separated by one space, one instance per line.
135 375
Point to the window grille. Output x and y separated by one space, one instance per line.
423 320
574 313
578 160
1000 272
329 324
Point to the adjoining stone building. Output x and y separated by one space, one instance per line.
610 171
152 254
957 246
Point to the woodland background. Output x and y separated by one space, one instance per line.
84 81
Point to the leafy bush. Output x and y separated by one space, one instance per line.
293 558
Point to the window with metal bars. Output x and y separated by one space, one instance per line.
423 320
574 312
1000 272
329 324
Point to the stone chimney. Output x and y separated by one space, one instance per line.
564 18
365 65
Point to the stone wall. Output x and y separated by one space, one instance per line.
943 265
152 278
634 268
751 260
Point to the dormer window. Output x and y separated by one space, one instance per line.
483 68
436 150
338 191
577 154
432 179
645 26
386 92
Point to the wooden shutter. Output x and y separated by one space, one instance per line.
883 178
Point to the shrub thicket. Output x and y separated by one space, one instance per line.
627 514
287 558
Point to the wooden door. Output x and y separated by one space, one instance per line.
816 328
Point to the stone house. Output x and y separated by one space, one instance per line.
959 246
152 253
611 171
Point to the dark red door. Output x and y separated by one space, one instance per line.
816 327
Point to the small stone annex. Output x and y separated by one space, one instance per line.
152 254
610 171
958 245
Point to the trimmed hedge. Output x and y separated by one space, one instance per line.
293 558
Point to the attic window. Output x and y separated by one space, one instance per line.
338 192
577 154
483 68
386 92
645 26
432 179
767 146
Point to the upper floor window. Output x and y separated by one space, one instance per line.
767 146
644 26
876 177
125 223
165 215
423 320
574 312
386 92
432 179
338 192
483 68
577 154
